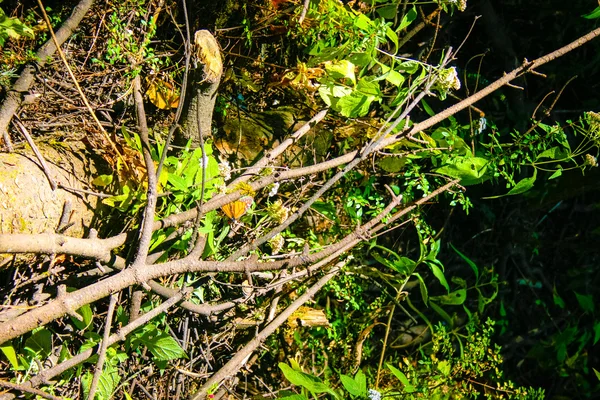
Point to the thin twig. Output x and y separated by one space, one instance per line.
79 90
36 151
103 346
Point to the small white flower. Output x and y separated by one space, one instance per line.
274 189
225 170
374 394
481 124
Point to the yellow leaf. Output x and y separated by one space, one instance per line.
162 94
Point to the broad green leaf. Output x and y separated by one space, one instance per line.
392 164
11 355
360 59
593 15
554 153
468 261
102 180
408 388
596 331
355 105
369 87
343 69
586 302
387 12
454 298
470 170
361 380
330 92
109 380
162 346
299 378
351 385
523 185
444 367
597 373
40 343
178 183
13 28
410 67
363 22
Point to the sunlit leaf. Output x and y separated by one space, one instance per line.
408 388
409 17
470 170
10 354
162 94
343 69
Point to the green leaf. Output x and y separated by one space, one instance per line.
596 332
393 36
363 22
556 173
423 288
454 298
524 185
13 27
442 313
11 355
408 388
597 373
88 316
361 380
178 183
586 302
409 17
388 12
470 170
162 346
392 164
351 385
40 343
427 108
343 69
444 367
109 380
439 274
355 105
557 299
554 153
299 378
593 15
468 261
360 59
102 180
